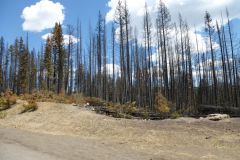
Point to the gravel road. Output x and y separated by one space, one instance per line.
16 144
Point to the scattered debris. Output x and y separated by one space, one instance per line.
211 109
86 105
217 117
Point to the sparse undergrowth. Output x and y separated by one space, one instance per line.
93 101
7 99
30 106
175 115
47 96
162 105
129 110
3 114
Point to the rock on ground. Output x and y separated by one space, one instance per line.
218 117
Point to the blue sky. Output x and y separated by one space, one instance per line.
11 21
16 13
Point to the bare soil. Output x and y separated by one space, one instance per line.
62 131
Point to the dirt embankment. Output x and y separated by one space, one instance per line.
181 139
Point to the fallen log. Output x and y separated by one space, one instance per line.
211 109
134 115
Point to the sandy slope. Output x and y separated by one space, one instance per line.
180 139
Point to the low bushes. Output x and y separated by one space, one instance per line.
162 107
175 115
48 96
30 106
3 114
93 101
7 99
165 108
128 110
161 104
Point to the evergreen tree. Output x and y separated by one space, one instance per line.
33 72
48 62
58 46
23 69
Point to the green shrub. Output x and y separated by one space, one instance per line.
175 115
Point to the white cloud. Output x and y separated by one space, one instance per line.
117 69
203 42
192 10
109 69
45 36
66 38
42 15
70 38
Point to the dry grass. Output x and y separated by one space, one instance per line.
3 114
124 110
169 136
116 110
128 110
93 101
30 106
47 96
175 115
7 99
162 104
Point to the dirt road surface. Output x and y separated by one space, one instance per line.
16 144
67 132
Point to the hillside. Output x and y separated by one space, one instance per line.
54 127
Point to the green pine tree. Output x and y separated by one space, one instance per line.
48 62
60 54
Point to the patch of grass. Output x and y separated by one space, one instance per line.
3 114
128 110
93 101
48 96
7 99
175 115
30 107
11 100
